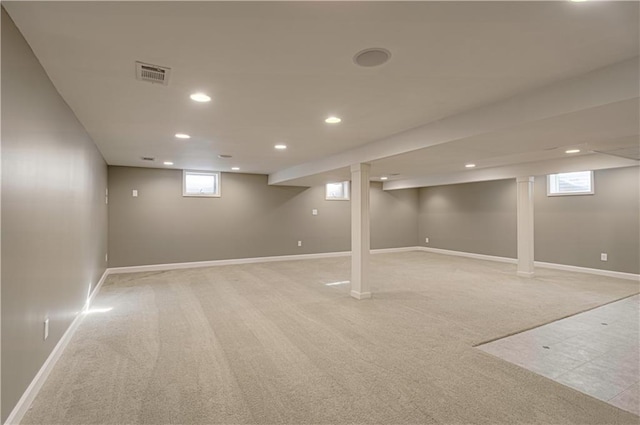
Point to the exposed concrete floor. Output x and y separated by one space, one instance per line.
283 343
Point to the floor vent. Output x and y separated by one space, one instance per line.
152 73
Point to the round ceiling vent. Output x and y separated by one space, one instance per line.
372 57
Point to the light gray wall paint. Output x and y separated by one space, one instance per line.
54 217
471 217
574 230
250 219
394 217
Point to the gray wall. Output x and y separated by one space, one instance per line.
574 230
471 217
54 218
251 219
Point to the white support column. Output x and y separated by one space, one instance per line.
525 226
360 237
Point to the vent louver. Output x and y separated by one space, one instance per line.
152 73
148 158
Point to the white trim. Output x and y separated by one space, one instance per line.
34 387
235 261
525 274
360 295
470 255
599 272
392 250
541 264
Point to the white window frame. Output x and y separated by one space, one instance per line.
215 174
345 189
590 192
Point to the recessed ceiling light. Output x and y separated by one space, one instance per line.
470 165
168 163
280 147
200 97
384 178
332 120
572 151
182 136
371 57
235 168
224 156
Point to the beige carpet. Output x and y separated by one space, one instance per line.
271 343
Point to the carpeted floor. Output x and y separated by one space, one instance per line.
271 343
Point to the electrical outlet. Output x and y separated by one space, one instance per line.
106 258
134 193
314 212
603 256
46 328
426 240
299 243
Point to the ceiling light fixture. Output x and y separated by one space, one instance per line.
280 147
371 57
333 120
572 151
235 168
384 178
168 163
200 97
182 136
470 165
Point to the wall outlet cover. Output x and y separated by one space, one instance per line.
604 256
46 328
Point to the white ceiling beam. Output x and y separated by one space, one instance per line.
614 83
593 161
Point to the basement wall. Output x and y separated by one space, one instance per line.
572 230
250 219
471 217
54 217
575 230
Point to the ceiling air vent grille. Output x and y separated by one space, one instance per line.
147 158
152 73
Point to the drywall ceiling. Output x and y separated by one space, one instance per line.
275 71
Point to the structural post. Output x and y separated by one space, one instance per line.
525 226
360 238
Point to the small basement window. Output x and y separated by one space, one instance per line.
337 191
577 183
201 183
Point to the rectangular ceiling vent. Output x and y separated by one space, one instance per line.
148 158
152 73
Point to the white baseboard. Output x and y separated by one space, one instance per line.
599 272
34 387
541 264
469 255
235 261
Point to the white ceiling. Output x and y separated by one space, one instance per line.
276 70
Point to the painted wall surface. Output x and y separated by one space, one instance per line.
250 219
471 217
54 217
575 230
